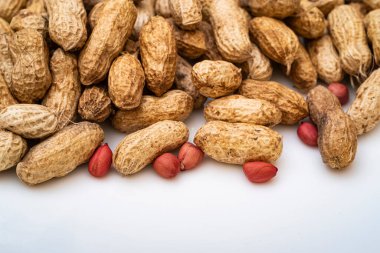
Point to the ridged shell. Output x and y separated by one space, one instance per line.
95 13
12 149
94 104
191 44
28 19
6 64
9 8
187 14
372 23
274 8
326 6
6 97
258 67
212 52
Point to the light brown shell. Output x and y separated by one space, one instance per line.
173 105
6 64
275 39
372 23
361 8
64 93
126 82
216 78
303 72
190 44
158 54
139 149
326 6
230 26
95 14
31 121
31 76
325 59
274 8
60 154
107 40
258 67
237 143
212 52
183 82
239 109
349 36
36 6
94 104
365 110
145 10
5 27
67 23
9 8
187 14
292 104
12 149
28 19
162 8
6 97
374 4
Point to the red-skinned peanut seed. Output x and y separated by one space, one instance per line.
101 161
167 165
308 133
341 91
259 172
190 156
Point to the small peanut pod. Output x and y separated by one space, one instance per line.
6 64
349 36
139 149
337 135
325 59
191 44
162 8
67 23
94 104
275 39
31 121
173 105
274 8
6 97
237 143
60 154
31 76
126 81
212 52
64 93
187 14
230 26
107 40
292 104
239 109
365 110
258 67
216 78
158 54
9 8
373 4
145 10
183 82
372 23
326 6
12 149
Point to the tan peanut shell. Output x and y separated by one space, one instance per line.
145 10
5 27
31 76
67 23
95 14
275 39
158 54
126 81
36 6
6 97
361 8
349 36
216 78
31 121
29 19
187 14
212 52
273 8
374 4
303 72
365 110
60 154
239 109
6 64
372 23
173 105
139 149
94 104
237 143
191 44
183 82
337 135
258 67
9 8
64 93
107 40
325 59
12 149
292 104
162 8
326 6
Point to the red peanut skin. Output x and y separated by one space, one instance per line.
190 156
259 172
167 165
341 91
101 161
308 133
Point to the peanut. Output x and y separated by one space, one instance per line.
12 149
94 104
167 165
190 156
173 105
139 149
237 143
6 97
6 64
9 8
101 161
107 40
374 4
238 109
365 110
216 78
63 96
274 8
126 81
29 121
162 8
95 14
27 18
258 67
292 105
190 44
212 52
259 172
308 133
36 6
340 91
158 54
326 6
187 14
60 154
372 23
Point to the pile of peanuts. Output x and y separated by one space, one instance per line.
66 66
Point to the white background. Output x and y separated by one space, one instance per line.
214 208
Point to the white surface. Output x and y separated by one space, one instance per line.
307 208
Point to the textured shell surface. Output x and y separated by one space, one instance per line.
6 64
191 44
326 6
6 97
161 137
212 52
372 23
12 149
274 8
27 18
61 153
237 143
94 104
258 67
187 14
9 8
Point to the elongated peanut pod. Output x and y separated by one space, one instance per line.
372 23
273 8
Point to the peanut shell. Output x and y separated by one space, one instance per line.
12 149
9 8
190 44
273 8
6 64
94 104
258 67
187 14
6 97
372 23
